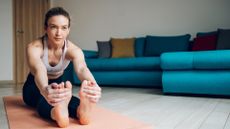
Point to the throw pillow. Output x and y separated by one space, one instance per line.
104 49
155 45
139 46
223 41
201 34
205 43
122 47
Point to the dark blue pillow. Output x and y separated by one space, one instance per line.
201 34
104 49
223 41
139 46
156 45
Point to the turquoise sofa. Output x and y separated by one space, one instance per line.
167 64
203 72
143 70
138 71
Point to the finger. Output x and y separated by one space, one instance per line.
54 85
62 85
50 88
60 91
90 83
92 88
54 96
92 92
68 84
84 83
60 98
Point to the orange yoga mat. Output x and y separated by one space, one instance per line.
21 116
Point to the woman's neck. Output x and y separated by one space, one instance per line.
53 46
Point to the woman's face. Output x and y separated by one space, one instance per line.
58 29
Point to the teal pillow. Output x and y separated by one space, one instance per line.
139 46
156 45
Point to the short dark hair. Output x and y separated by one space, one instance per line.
54 12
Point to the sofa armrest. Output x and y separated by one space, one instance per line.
90 54
216 59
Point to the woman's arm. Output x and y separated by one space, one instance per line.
37 68
75 54
34 52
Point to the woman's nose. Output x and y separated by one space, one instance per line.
58 32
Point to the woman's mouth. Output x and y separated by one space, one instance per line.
58 39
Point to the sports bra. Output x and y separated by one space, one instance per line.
62 64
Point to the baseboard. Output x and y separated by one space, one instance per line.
7 83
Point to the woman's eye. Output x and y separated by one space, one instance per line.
64 28
53 27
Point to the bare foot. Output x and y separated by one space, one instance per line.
59 113
85 107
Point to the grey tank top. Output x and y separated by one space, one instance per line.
61 66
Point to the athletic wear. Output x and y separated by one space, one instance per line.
61 66
31 93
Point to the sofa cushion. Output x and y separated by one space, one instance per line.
129 78
139 46
122 47
156 45
123 64
223 39
211 82
212 60
104 49
205 43
176 60
90 53
203 60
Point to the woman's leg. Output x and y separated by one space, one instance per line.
44 108
33 98
59 112
73 105
30 92
85 107
80 108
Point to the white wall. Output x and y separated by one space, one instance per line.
101 19
6 40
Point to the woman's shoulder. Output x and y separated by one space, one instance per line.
73 51
35 48
72 45
35 45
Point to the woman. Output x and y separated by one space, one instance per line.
47 58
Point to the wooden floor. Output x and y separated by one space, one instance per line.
151 106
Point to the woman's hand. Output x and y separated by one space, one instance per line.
56 93
93 91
